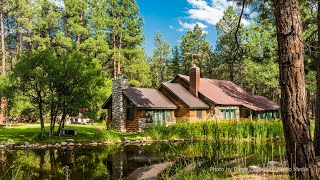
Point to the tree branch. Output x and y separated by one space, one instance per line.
313 33
239 23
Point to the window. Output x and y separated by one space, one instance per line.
130 114
199 114
149 116
228 114
169 117
159 117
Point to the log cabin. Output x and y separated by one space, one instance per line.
185 98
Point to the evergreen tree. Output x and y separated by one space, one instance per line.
194 49
227 51
160 60
175 66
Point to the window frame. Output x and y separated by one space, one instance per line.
149 115
130 117
228 113
199 114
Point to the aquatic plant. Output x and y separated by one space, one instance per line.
229 130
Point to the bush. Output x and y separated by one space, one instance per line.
106 135
39 137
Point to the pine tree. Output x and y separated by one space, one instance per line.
226 49
160 60
300 150
175 67
194 49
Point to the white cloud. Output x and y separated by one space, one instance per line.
171 27
210 13
190 26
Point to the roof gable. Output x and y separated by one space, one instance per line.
227 93
147 98
185 96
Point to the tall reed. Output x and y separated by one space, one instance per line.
225 130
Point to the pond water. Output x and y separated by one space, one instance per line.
119 161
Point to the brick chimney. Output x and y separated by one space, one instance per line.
194 84
118 104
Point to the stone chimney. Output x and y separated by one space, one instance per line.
118 104
194 84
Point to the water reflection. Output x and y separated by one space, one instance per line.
117 162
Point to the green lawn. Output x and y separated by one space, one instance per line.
28 132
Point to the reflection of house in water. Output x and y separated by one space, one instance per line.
128 159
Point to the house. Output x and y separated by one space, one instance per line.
190 97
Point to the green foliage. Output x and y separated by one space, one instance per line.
160 61
103 135
175 66
230 130
195 50
65 83
39 137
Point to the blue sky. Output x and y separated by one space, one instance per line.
173 18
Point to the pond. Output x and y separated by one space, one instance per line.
119 161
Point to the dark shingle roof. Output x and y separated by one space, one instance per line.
227 93
185 96
148 98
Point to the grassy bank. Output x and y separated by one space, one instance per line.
224 130
30 133
231 130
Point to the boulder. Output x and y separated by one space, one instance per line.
49 145
94 144
64 144
26 143
71 144
2 146
253 168
274 164
70 140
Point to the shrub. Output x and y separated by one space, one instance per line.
39 137
106 135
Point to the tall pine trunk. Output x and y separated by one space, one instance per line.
3 62
114 45
300 150
317 104
119 60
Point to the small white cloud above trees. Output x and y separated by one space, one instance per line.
207 12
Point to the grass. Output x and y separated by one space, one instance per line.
260 130
30 133
230 130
